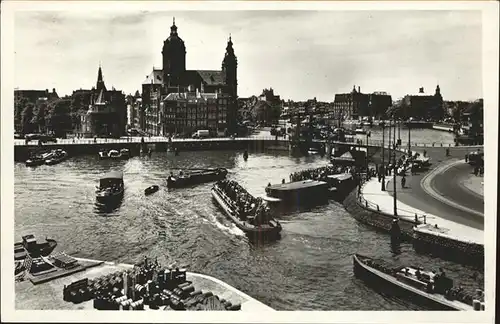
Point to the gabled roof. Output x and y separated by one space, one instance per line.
156 77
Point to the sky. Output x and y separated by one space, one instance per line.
300 54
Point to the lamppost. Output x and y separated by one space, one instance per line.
383 157
409 141
395 170
368 134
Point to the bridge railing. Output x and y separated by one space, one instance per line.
158 139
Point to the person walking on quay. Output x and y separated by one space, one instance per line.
425 153
447 152
403 182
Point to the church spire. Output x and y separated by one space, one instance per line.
100 82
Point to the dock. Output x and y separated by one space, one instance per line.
49 294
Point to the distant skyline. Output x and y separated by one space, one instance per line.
300 54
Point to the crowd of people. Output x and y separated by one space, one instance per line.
321 173
249 208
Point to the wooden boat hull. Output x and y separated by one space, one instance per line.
389 284
37 162
195 179
151 190
250 230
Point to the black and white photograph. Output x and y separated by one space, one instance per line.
249 159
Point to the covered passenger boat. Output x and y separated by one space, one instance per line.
303 193
433 290
341 185
111 187
194 177
248 213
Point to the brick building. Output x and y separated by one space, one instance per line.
174 78
423 105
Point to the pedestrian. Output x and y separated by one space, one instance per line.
466 158
425 153
403 182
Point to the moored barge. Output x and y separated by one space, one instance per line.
248 213
427 288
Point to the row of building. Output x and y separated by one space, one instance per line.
175 100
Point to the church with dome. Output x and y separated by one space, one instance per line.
166 87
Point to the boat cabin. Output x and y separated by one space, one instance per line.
424 280
113 179
113 153
29 241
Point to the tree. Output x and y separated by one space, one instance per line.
19 105
26 118
59 117
39 112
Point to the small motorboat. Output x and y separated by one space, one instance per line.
123 154
194 177
111 188
39 159
428 288
33 248
257 222
151 190
360 131
58 156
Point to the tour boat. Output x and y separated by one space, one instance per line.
58 156
151 190
427 288
258 224
111 187
194 177
30 246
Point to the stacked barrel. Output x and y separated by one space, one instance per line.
147 284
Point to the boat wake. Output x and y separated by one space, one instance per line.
231 229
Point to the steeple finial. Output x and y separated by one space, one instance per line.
174 21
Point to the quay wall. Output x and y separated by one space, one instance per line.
22 152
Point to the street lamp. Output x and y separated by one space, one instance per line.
383 156
395 171
368 134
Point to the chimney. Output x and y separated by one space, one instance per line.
53 90
421 90
359 89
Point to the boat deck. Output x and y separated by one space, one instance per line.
49 295
297 185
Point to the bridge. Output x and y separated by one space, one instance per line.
79 146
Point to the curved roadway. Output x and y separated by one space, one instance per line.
447 183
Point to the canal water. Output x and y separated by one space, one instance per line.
309 268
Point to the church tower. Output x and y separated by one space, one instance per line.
174 58
229 68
